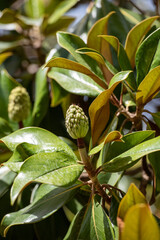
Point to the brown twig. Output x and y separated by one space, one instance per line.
134 5
21 124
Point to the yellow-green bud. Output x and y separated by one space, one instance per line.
76 122
19 104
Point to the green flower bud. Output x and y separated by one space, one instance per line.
76 122
19 104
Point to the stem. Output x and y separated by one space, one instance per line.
92 172
21 124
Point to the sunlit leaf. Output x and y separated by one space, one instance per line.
145 55
130 157
140 224
56 166
135 36
75 82
132 197
122 57
99 28
149 87
99 109
71 43
112 136
6 179
99 58
68 64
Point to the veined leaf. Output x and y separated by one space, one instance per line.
99 109
145 54
90 223
149 87
140 224
48 200
60 169
129 141
99 58
130 157
75 82
135 36
68 64
122 57
71 43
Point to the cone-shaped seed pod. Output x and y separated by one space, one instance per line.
19 104
76 122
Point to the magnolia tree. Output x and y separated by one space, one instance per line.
75 183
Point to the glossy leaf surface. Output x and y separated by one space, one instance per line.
149 87
48 200
75 82
130 157
99 109
71 65
56 166
91 223
145 54
135 36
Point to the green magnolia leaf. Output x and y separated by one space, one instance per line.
5 128
149 87
71 43
132 197
98 57
156 60
145 54
41 98
128 141
48 200
130 157
60 169
112 136
34 8
71 65
91 223
6 179
140 224
100 27
75 82
29 141
58 93
135 36
122 57
99 109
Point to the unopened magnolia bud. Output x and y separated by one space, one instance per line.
76 122
19 104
